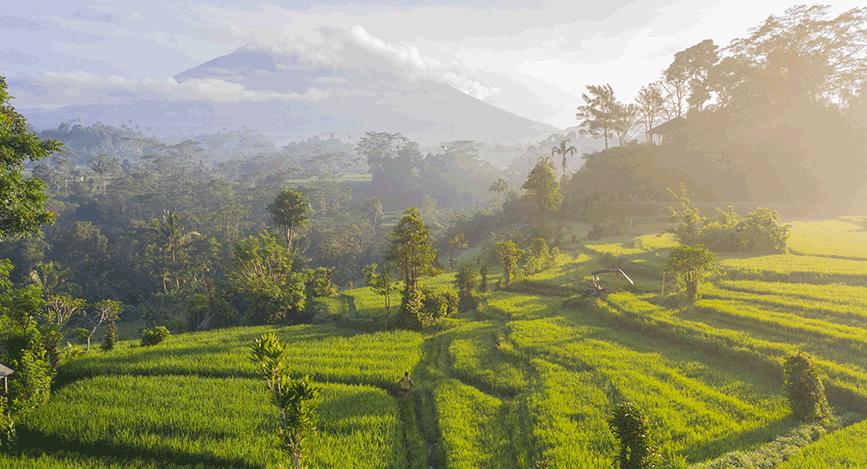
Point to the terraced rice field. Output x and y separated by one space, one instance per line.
528 380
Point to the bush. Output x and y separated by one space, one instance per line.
439 305
7 425
422 307
154 336
630 427
110 337
610 227
466 282
31 385
760 231
690 264
805 389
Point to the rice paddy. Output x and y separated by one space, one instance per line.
527 380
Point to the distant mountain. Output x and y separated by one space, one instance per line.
288 99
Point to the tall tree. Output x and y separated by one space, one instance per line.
411 250
564 150
383 284
22 207
598 112
289 211
168 247
686 77
374 211
542 190
651 102
625 119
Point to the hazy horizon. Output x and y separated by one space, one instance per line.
530 61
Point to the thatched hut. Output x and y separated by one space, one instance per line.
4 375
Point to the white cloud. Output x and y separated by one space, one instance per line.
84 86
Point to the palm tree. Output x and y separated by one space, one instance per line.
564 152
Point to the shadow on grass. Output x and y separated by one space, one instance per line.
32 442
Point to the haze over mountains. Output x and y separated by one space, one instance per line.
287 93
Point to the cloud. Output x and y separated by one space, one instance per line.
79 86
355 48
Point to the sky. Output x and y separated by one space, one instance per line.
532 58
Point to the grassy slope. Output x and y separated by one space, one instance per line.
523 381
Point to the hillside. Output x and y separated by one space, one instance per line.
527 379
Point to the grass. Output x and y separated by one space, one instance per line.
837 238
526 380
843 448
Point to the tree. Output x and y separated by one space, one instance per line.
625 118
168 248
598 113
686 77
289 211
651 104
374 211
802 55
501 188
105 310
262 276
564 150
630 427
456 243
542 188
58 311
293 397
22 210
804 388
690 264
411 250
509 254
383 284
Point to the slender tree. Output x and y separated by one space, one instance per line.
564 150
542 190
598 113
289 211
651 103
104 310
293 397
411 249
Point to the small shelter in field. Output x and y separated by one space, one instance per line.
4 375
667 131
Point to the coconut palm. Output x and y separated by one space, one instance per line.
564 151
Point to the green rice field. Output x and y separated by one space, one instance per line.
527 380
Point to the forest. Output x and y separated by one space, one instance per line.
692 292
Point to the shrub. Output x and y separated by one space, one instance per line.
804 388
7 425
690 264
154 336
630 427
610 227
466 282
439 305
110 337
293 397
759 231
32 384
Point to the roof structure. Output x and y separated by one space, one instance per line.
668 126
5 371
